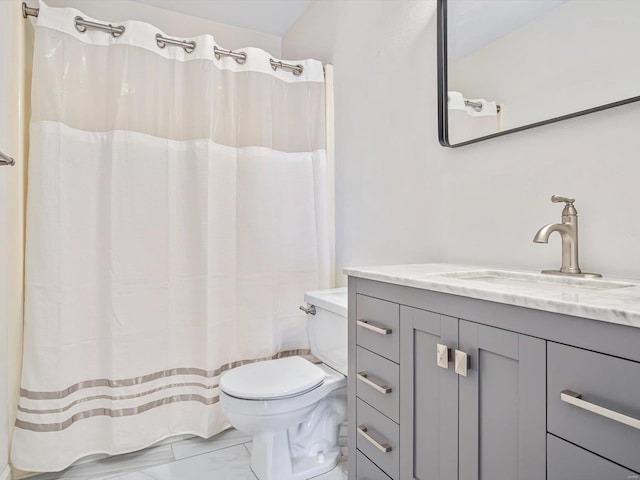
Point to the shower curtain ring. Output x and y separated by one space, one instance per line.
79 26
83 25
162 42
239 57
115 33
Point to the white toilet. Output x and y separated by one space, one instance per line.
292 407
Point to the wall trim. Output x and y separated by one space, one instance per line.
6 473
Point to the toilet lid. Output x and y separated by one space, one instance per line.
284 377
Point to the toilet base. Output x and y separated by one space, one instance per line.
294 438
304 450
270 459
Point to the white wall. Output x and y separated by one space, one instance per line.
15 112
402 198
527 71
387 184
173 23
4 367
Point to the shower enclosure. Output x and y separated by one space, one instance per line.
178 209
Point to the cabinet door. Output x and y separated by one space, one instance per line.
502 405
428 402
569 462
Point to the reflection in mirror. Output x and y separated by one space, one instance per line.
513 64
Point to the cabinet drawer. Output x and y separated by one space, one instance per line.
568 462
608 387
378 383
367 470
377 326
374 432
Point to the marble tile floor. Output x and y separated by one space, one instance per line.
225 456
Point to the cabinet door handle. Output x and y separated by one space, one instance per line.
461 363
383 447
443 355
574 398
378 388
373 328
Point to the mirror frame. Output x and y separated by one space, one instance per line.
443 114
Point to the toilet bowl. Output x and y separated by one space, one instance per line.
292 407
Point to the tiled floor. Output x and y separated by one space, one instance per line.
223 457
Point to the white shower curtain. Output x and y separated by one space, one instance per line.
466 123
177 212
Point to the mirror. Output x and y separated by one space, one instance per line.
507 65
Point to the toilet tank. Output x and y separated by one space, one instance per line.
327 329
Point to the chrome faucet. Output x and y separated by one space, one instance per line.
568 230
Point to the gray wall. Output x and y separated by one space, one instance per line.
402 198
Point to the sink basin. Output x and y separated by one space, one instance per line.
539 283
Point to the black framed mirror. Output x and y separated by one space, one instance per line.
510 65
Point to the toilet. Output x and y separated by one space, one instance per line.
292 407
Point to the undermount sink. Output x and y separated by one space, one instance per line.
537 282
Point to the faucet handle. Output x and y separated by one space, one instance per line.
558 199
568 209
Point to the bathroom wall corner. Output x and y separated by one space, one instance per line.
18 81
6 474
387 156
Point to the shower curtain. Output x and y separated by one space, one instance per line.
177 212
467 123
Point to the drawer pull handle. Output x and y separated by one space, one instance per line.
378 388
373 328
383 447
575 399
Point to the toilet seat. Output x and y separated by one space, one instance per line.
293 408
272 379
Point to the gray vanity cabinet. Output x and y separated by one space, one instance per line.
544 396
501 405
568 462
489 424
429 413
593 401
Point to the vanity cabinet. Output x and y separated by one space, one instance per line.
376 336
568 462
594 402
429 419
495 401
445 387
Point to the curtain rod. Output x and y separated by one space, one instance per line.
6 160
238 57
81 24
189 46
28 11
478 106
295 69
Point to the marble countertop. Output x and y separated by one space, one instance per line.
619 303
